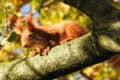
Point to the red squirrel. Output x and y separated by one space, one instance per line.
43 38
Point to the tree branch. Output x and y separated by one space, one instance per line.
87 50
64 59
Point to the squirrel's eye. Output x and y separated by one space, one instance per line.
30 36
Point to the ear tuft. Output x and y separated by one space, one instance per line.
19 28
28 18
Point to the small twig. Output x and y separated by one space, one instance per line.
5 11
47 3
83 74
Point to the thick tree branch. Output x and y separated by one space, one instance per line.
63 59
92 48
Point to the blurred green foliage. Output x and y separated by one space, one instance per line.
59 12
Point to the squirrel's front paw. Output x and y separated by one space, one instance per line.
33 53
41 52
45 51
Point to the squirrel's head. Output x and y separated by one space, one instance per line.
32 38
27 38
25 32
30 35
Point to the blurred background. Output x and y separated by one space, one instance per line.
48 12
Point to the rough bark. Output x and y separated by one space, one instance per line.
94 47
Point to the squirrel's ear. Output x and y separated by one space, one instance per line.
28 18
19 28
29 22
